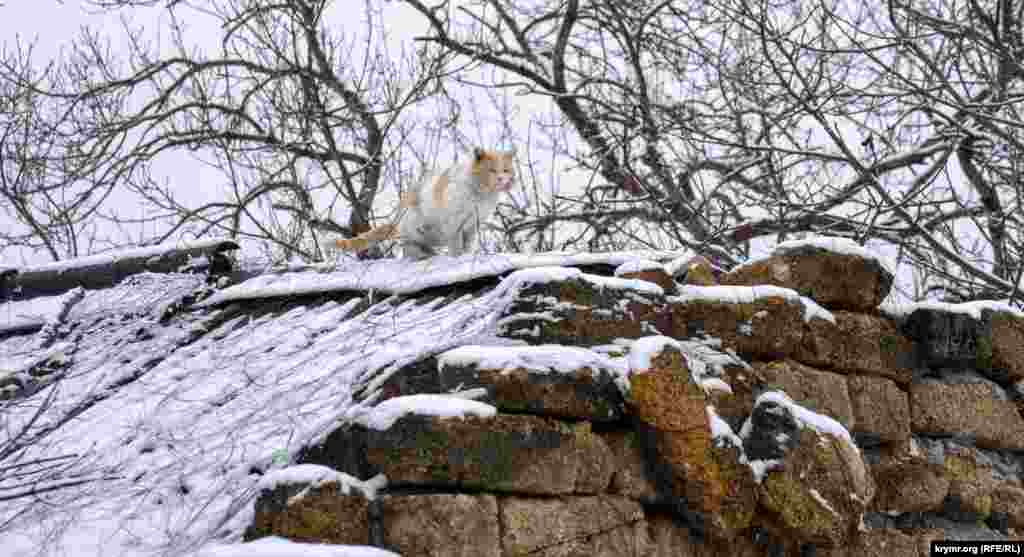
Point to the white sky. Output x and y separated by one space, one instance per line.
54 25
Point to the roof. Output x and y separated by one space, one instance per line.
107 269
173 391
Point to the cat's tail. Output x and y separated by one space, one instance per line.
363 241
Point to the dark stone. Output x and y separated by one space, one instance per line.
999 521
344 450
506 453
946 338
589 394
956 340
322 515
582 313
952 529
7 280
420 377
770 420
953 508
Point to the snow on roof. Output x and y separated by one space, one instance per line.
548 358
841 246
188 418
16 363
31 314
972 309
273 546
402 276
385 414
143 294
751 294
128 253
174 428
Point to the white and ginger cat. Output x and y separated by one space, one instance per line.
447 209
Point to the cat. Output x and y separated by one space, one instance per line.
447 208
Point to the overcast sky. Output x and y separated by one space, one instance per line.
53 25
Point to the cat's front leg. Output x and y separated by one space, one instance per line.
458 242
469 235
416 250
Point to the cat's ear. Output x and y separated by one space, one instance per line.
479 154
510 153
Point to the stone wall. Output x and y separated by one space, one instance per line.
779 412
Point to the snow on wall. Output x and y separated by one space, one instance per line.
637 266
833 244
549 358
971 309
314 475
751 294
806 418
385 414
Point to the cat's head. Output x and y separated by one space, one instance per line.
495 169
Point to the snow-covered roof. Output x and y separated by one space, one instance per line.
125 254
107 269
192 408
31 314
398 276
169 418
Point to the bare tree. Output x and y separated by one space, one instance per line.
51 183
729 121
298 120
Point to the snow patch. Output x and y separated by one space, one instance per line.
105 259
548 358
762 467
31 314
833 244
748 295
704 373
638 266
822 501
315 475
971 309
385 414
273 546
676 266
806 418
398 276
841 246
